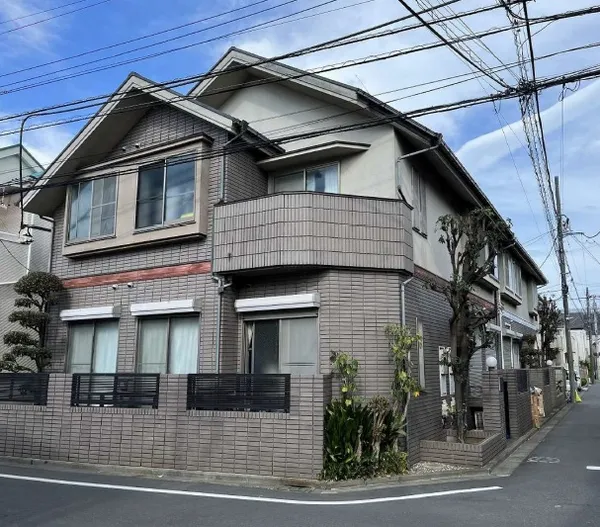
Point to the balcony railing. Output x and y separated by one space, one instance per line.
121 390
29 388
239 392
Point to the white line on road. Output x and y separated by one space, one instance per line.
196 494
591 467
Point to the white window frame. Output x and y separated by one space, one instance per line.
445 371
168 318
304 171
419 201
513 277
187 157
95 322
420 352
93 181
251 319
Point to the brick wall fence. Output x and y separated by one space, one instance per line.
519 398
288 445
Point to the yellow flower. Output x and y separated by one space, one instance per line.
416 394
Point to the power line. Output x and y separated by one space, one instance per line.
164 41
450 44
37 22
469 77
182 81
41 12
13 256
250 29
132 40
310 49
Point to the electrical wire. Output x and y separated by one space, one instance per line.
131 40
182 81
13 256
250 29
2 22
450 45
59 15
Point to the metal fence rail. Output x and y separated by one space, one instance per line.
239 392
121 390
29 388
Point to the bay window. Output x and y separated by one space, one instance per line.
317 179
93 347
282 345
168 344
92 208
166 192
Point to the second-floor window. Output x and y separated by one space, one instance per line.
419 202
92 208
166 192
512 275
317 179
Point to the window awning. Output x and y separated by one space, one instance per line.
90 313
314 154
189 305
276 303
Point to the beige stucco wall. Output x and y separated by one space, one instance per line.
277 111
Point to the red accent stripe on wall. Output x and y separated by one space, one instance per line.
136 276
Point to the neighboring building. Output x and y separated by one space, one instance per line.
580 344
17 258
181 261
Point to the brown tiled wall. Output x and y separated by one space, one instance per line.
519 407
171 437
313 229
425 412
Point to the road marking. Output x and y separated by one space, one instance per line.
591 467
196 494
551 460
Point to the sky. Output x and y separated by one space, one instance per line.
48 47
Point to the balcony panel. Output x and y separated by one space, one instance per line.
311 229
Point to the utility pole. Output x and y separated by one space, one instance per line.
589 332
564 288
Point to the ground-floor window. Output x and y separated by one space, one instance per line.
168 344
282 345
446 374
93 347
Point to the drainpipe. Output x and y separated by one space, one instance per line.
242 126
402 293
438 142
221 286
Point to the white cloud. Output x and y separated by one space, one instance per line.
20 31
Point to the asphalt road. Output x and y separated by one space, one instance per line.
552 488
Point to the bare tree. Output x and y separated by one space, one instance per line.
473 241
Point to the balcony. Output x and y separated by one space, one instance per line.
28 388
312 229
239 392
119 390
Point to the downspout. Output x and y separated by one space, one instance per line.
402 303
221 285
438 142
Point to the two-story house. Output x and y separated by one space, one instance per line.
21 250
217 247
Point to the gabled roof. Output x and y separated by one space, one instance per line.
244 66
112 122
32 167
